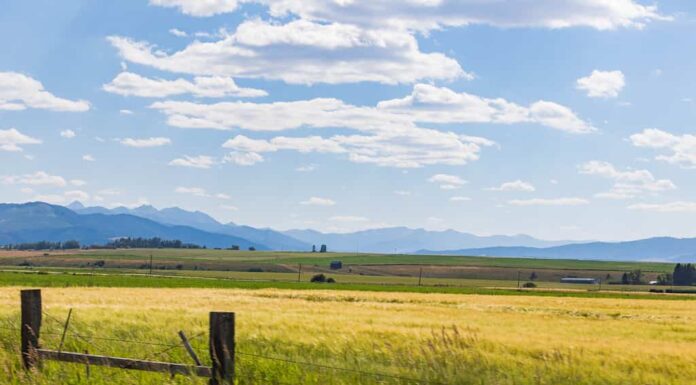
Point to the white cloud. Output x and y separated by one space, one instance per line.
229 207
68 134
177 32
19 92
307 168
223 196
402 193
671 207
199 8
516 185
88 158
243 158
682 147
549 202
316 201
447 182
434 14
301 52
196 191
200 161
627 184
125 112
130 84
431 104
602 84
459 199
393 135
146 142
12 140
39 178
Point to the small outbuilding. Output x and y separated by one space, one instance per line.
336 265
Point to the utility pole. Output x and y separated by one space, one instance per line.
420 276
299 273
518 278
150 263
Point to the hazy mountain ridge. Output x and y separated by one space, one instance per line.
38 221
403 239
176 216
657 249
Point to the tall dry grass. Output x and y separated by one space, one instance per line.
431 338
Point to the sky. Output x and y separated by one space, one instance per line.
561 119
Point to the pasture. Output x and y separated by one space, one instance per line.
290 336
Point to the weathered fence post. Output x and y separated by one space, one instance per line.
31 327
222 348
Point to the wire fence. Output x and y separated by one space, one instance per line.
95 344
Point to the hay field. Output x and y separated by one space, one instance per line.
414 338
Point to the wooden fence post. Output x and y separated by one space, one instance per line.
31 327
222 348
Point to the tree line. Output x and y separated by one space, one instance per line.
150 243
43 245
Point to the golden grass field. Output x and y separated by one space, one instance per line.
432 338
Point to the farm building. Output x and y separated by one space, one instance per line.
586 281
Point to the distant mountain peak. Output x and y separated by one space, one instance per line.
76 205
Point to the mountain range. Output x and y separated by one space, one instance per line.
651 249
38 221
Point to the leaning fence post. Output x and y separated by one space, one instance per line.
31 327
222 348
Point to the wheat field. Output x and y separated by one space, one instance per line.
366 337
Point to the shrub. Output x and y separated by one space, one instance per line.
330 280
255 270
318 278
529 285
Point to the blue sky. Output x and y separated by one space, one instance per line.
559 119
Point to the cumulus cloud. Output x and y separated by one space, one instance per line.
549 202
243 158
145 142
88 158
39 178
200 161
516 185
68 134
682 147
198 8
301 52
12 140
316 201
428 15
391 135
177 32
627 184
19 92
446 181
459 199
130 84
602 84
670 207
